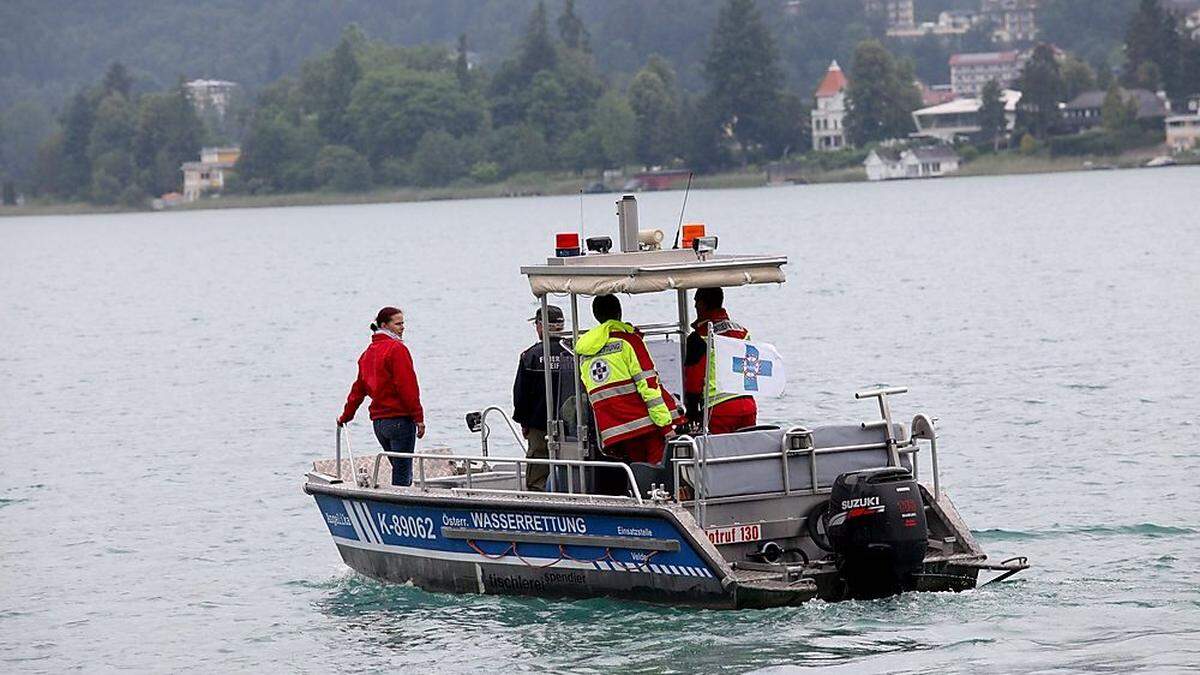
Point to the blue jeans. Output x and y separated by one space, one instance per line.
398 434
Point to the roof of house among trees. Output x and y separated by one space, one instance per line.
1149 104
834 81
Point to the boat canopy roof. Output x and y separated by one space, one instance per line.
651 272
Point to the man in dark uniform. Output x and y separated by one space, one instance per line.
529 395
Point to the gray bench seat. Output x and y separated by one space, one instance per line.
765 475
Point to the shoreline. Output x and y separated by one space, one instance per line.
559 184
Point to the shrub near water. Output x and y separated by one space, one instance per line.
341 169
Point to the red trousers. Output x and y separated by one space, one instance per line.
647 448
729 416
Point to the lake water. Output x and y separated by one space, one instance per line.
167 379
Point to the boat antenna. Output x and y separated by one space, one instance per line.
683 208
581 215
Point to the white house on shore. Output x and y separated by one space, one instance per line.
922 162
829 117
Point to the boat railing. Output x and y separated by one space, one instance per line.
797 441
574 467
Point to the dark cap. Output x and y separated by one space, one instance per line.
555 312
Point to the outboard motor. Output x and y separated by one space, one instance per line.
876 526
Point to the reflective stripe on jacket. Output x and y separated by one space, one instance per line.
700 371
624 389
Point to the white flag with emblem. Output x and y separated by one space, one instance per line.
748 367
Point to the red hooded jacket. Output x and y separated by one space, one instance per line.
385 373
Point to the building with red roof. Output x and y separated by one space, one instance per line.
829 116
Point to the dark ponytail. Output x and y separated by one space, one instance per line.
385 315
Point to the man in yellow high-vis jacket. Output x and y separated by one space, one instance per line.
633 410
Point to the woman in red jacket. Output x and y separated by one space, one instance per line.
385 373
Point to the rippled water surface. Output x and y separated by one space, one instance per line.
168 378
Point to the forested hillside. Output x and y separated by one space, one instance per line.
49 48
433 92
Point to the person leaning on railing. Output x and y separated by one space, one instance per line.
386 374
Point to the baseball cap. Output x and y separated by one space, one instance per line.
554 311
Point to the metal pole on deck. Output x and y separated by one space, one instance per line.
681 296
708 364
551 442
581 428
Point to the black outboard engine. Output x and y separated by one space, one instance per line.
876 526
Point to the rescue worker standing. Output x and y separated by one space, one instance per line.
529 396
634 412
726 412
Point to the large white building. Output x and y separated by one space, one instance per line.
969 72
829 117
960 117
897 13
1014 20
211 95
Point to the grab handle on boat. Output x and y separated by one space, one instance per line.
485 431
922 428
340 430
885 411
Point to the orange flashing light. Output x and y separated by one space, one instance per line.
691 231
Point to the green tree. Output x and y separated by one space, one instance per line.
26 124
992 121
462 67
655 108
1077 76
341 169
548 107
117 81
1147 76
705 146
571 29
537 48
616 127
9 193
791 127
277 155
881 95
1119 111
583 149
110 148
742 72
393 108
519 148
440 158
49 169
1041 88
1090 29
1152 37
75 177
335 92
168 133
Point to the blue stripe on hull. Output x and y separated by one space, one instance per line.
415 530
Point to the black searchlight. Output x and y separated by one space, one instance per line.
599 244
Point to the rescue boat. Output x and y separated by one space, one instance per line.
767 516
